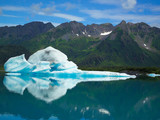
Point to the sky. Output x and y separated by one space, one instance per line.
15 12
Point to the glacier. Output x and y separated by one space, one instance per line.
52 62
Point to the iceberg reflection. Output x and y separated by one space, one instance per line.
51 88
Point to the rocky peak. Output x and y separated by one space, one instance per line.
123 22
76 26
124 26
143 26
109 25
75 23
70 24
39 24
129 23
96 30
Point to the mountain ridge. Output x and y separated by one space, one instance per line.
100 45
19 33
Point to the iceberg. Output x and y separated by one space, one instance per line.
52 62
153 75
45 61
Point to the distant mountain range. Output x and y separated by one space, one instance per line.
95 45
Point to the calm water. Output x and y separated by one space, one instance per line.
23 98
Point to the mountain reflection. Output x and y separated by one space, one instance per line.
133 99
49 88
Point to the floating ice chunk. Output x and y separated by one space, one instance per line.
153 75
77 34
89 35
106 33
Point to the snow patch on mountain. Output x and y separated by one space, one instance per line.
106 33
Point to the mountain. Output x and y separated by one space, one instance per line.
121 48
74 29
145 36
17 34
98 45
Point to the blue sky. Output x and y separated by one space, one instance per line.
14 12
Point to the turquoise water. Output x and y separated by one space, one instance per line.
22 98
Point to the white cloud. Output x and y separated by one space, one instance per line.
39 9
155 8
118 16
129 4
4 15
0 11
68 6
10 8
150 7
155 25
126 4
36 7
14 8
109 2
51 11
68 17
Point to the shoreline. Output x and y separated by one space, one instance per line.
128 70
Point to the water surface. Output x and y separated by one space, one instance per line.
42 98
